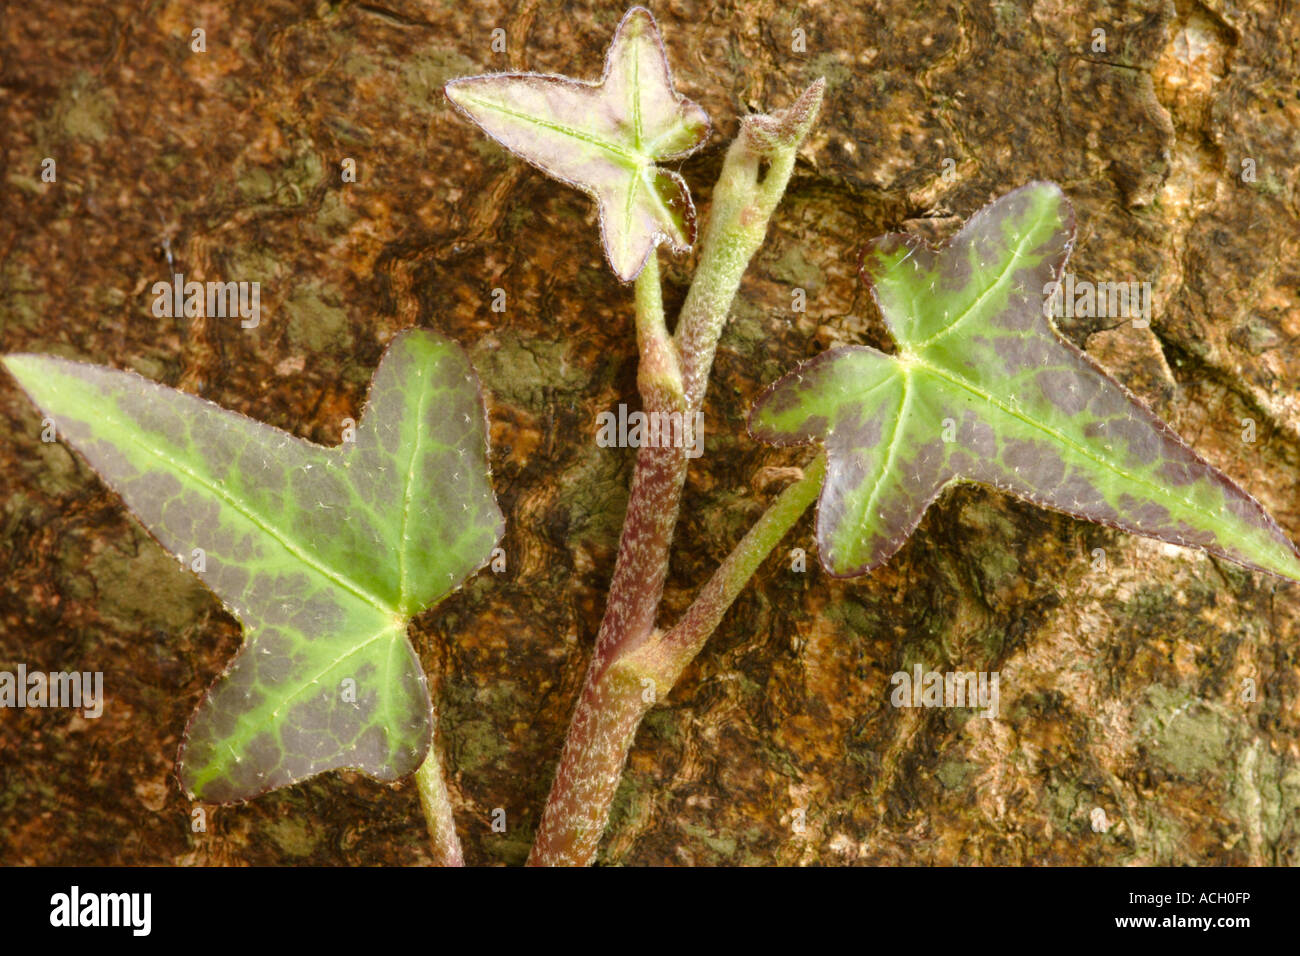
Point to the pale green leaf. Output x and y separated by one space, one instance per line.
606 138
984 389
324 554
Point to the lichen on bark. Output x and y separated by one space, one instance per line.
1121 690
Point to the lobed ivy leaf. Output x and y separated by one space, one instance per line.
605 138
324 554
984 389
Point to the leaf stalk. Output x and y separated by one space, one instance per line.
435 801
634 664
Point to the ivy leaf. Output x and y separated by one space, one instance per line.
984 389
324 554
605 138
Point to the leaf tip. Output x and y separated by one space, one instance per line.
1288 568
28 369
454 90
784 129
17 363
811 98
636 23
637 12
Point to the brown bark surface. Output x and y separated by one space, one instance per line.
1121 689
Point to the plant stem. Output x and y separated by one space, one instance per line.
632 666
687 637
659 373
607 709
604 722
436 803
642 562
743 202
614 701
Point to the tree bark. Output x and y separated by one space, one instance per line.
1147 710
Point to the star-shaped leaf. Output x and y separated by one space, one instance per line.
984 389
605 138
324 554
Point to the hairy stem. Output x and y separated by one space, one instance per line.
687 637
659 374
632 666
642 562
613 704
604 723
608 709
743 202
436 803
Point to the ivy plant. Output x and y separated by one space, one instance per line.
984 389
325 554
605 138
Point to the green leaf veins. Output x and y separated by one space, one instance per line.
324 554
983 388
605 138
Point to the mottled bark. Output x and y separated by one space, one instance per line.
1159 689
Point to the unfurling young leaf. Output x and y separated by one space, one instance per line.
984 389
324 554
605 138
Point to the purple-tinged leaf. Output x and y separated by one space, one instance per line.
605 138
984 389
324 554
